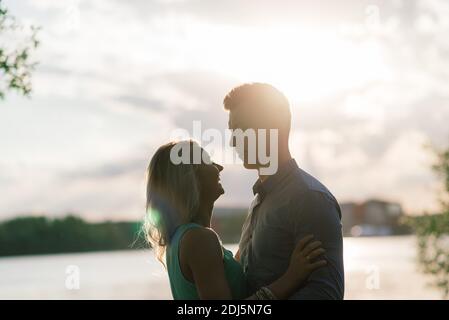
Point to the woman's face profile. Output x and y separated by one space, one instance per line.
208 174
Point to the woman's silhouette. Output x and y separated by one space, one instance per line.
180 200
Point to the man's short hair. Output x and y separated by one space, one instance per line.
263 100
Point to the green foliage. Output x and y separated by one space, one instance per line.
41 235
16 47
432 231
442 169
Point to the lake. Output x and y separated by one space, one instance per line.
375 268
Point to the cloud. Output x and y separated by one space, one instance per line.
255 12
110 90
108 171
141 102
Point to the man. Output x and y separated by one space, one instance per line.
288 204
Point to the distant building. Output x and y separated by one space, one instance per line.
371 218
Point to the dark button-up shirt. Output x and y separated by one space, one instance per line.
288 206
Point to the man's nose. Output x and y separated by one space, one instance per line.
219 167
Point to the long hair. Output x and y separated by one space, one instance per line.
172 196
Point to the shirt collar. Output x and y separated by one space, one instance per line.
265 187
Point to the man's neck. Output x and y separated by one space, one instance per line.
283 158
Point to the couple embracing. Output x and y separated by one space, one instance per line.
291 245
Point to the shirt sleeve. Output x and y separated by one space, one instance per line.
319 214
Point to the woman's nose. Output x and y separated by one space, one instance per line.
220 168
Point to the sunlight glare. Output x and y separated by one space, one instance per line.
305 63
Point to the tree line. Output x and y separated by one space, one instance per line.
42 235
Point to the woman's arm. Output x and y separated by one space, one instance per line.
202 252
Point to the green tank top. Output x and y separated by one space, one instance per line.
183 289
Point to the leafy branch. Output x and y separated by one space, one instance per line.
432 231
16 64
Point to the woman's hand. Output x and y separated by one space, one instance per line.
304 261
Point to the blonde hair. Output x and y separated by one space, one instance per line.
172 197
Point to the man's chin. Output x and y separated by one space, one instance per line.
219 194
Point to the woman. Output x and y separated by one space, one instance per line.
180 200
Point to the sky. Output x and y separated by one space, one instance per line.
367 83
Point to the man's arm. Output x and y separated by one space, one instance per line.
319 215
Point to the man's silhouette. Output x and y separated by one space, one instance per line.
288 205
